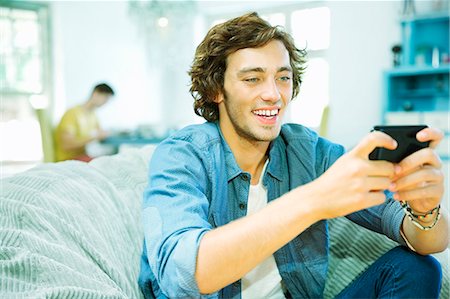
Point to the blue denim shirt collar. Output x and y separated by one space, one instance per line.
233 169
273 168
275 159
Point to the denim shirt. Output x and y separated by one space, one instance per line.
195 185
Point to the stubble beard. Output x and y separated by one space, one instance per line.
244 130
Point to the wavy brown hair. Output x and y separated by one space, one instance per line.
210 61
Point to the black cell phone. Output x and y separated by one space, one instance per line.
406 139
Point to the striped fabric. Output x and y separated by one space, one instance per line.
353 249
73 230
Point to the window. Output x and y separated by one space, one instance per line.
20 50
307 108
310 28
276 19
23 71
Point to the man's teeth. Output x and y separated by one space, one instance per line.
266 112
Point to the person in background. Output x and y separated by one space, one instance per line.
79 126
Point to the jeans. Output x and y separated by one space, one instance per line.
399 273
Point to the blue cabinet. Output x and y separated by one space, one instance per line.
417 91
424 36
417 88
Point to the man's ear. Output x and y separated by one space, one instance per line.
219 98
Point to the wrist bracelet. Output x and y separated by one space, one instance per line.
414 217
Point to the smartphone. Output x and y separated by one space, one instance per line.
406 139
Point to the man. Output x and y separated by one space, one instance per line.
237 207
79 126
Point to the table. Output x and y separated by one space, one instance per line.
120 141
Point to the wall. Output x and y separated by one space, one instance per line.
362 34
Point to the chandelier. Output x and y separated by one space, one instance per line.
163 12
166 26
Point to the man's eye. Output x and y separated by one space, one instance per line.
285 78
252 80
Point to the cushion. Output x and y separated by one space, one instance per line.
73 230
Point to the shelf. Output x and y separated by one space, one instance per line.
420 93
417 104
422 34
419 70
423 88
431 17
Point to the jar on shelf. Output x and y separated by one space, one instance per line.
396 55
435 59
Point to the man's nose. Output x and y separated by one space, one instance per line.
270 91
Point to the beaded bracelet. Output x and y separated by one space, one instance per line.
421 217
414 217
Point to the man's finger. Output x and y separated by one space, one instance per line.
377 183
428 192
382 168
372 141
433 135
425 176
425 156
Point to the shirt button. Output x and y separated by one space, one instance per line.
242 206
244 177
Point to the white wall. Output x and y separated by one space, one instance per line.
362 33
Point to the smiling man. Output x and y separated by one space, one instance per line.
237 207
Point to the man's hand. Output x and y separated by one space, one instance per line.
354 182
420 180
101 135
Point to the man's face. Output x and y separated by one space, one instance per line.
258 87
100 98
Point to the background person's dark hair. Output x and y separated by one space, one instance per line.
103 88
209 64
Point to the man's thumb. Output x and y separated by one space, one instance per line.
372 141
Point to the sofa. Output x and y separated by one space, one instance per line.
73 230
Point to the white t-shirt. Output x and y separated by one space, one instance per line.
264 281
